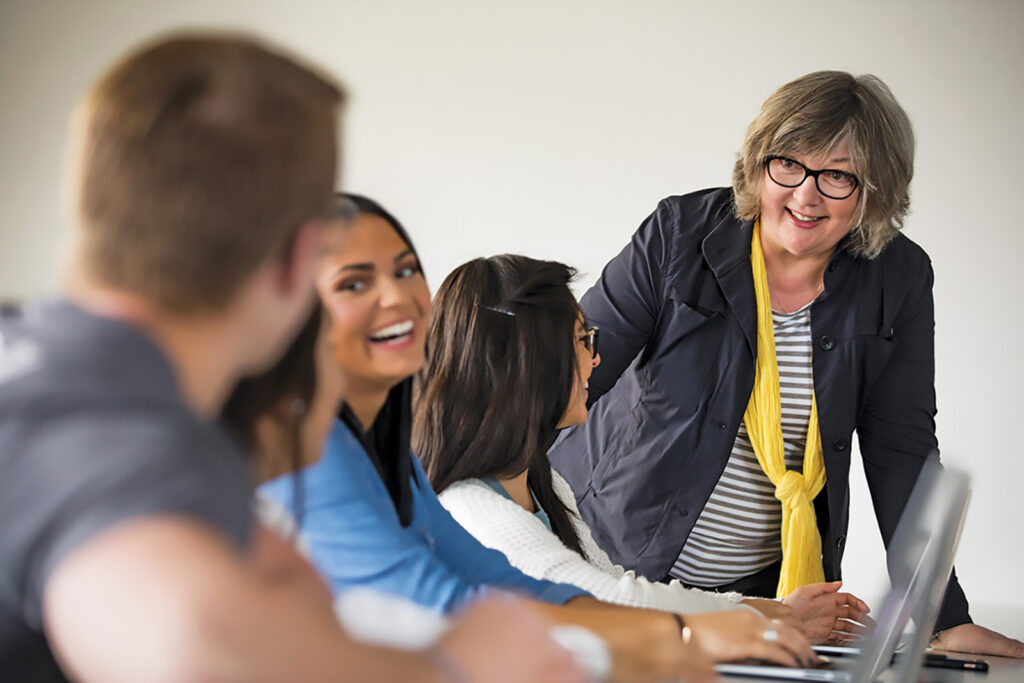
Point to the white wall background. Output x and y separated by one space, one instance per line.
552 128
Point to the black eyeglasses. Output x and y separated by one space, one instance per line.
830 182
589 339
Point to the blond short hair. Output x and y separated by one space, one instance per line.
810 116
200 157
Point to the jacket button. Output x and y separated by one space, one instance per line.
721 425
839 444
832 267
826 343
840 543
686 513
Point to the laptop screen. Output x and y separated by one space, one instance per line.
920 560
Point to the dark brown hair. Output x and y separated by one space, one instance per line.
293 380
200 157
500 367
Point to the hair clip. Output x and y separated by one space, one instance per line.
505 311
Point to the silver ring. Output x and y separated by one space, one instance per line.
770 635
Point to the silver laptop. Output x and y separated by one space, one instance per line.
920 560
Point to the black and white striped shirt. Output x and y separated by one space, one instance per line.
738 531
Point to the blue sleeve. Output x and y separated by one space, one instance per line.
356 539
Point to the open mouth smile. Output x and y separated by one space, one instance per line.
803 220
395 334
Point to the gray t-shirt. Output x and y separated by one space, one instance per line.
93 432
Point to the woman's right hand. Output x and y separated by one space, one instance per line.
742 634
646 645
652 650
826 614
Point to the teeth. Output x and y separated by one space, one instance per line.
803 217
396 330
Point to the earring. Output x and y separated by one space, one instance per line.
298 407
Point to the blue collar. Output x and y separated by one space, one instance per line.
499 489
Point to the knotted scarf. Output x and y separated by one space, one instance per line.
801 543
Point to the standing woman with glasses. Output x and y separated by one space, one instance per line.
747 333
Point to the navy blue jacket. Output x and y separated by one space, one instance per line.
678 325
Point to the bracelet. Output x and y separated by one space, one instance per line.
685 632
450 671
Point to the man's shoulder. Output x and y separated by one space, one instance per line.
72 399
145 432
130 457
54 354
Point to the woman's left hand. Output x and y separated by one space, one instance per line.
825 614
977 640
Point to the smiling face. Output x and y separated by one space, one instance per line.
371 285
576 411
800 221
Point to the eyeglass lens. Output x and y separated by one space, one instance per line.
831 183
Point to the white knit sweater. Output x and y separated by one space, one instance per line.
502 524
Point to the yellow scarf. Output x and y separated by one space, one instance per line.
801 543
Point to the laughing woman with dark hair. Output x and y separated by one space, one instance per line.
282 417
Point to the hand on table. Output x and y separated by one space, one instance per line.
740 634
645 645
977 640
652 654
825 614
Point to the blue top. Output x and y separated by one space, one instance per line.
500 490
356 539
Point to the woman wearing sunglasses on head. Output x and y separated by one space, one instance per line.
509 357
750 332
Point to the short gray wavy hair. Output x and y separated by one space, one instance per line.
810 116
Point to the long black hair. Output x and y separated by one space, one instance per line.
387 440
292 379
499 374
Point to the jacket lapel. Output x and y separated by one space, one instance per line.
727 252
